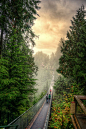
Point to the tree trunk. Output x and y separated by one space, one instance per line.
1 43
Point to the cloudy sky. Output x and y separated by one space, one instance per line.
54 22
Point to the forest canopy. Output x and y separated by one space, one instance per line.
17 66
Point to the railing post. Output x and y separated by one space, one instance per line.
75 105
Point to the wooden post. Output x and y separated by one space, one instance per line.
75 105
78 97
72 109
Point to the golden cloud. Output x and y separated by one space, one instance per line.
54 22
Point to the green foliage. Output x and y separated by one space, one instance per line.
60 114
16 88
72 62
17 67
63 85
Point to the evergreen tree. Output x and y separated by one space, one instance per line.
17 67
73 60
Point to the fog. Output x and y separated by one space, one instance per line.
47 66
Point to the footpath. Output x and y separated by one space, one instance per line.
40 118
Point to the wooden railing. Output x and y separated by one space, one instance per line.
78 112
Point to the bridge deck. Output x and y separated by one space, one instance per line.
40 119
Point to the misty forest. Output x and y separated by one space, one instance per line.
25 77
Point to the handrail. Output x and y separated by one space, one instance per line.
25 112
81 97
78 116
73 122
24 119
78 97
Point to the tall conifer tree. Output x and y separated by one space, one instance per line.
73 59
17 63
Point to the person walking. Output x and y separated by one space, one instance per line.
50 91
47 98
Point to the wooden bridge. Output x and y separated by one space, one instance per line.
78 110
